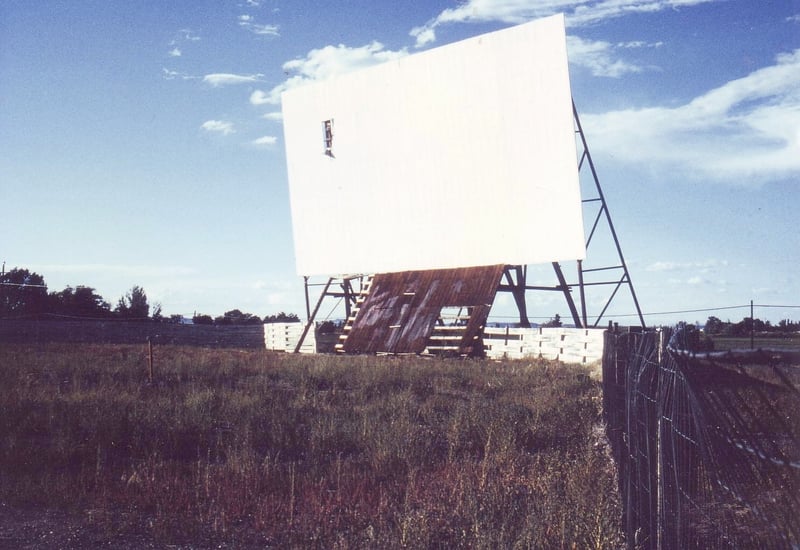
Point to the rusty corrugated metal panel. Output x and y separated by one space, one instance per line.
401 309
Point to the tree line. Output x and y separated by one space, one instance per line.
24 294
747 326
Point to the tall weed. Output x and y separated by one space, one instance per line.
256 448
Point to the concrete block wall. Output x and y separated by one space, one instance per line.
284 337
568 345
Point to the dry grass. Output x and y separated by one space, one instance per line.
253 448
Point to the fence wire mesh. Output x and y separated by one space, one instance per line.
706 444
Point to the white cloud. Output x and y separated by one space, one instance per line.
176 75
189 35
424 35
578 12
323 63
597 56
265 141
259 97
639 44
264 30
273 115
588 13
183 35
332 60
224 79
248 22
219 126
747 130
704 266
793 19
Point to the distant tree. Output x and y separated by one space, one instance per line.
133 305
236 317
554 322
282 318
81 301
203 319
157 314
689 338
22 292
714 326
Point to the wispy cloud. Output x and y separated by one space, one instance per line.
589 13
639 44
744 131
265 141
248 23
182 36
218 126
260 97
601 58
114 269
176 75
598 57
323 63
578 12
188 35
703 266
226 79
793 18
276 116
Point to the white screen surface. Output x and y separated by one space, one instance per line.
459 156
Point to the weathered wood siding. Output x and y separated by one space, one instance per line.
399 314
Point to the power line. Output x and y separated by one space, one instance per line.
22 284
699 310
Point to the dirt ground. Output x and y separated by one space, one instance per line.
34 528
28 529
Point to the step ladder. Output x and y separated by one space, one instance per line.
448 332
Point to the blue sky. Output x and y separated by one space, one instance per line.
141 142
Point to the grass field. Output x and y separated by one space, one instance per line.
249 448
722 343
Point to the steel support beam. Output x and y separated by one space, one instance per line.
601 213
313 315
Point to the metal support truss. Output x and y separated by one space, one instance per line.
346 292
619 276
